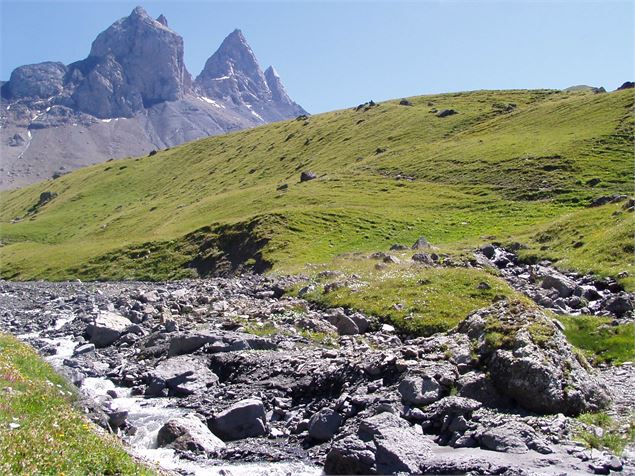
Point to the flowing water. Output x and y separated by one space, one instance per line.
148 415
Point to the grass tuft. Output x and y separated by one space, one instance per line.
599 339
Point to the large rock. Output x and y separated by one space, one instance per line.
446 113
621 304
107 328
383 444
307 175
360 321
502 439
244 419
419 390
449 408
421 244
530 361
188 342
565 286
180 376
324 424
344 324
489 251
41 80
512 437
189 433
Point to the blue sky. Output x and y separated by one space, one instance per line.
332 54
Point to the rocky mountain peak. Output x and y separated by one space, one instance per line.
161 19
139 12
236 36
233 58
135 63
278 92
137 26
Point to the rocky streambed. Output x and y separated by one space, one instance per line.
230 376
568 293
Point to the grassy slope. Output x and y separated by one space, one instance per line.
52 437
599 339
477 174
415 298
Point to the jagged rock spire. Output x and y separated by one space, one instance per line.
134 63
161 19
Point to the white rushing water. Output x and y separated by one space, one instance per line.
148 415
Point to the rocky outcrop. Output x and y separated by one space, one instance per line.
530 361
562 292
36 81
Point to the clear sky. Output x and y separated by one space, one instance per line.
334 54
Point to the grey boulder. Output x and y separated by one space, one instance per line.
180 376
620 304
107 328
324 424
244 419
564 285
360 321
512 437
383 444
189 433
419 390
344 324
449 408
421 244
446 113
307 176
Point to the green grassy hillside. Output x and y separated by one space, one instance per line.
509 165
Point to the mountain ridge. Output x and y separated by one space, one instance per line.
132 94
